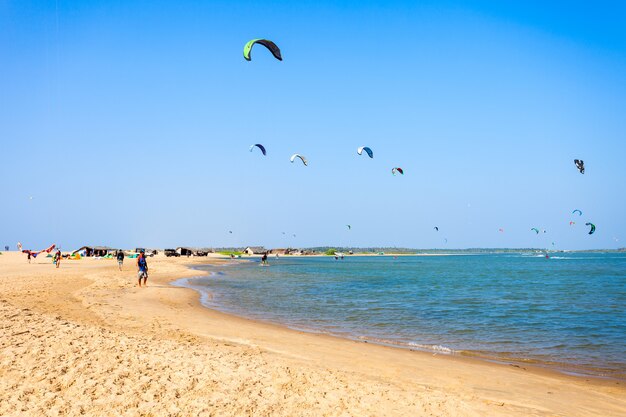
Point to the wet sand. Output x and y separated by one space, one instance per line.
85 340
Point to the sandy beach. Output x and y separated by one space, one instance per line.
85 340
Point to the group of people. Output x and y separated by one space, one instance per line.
142 263
142 266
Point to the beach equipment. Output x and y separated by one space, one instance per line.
367 150
35 253
258 145
302 158
593 228
271 46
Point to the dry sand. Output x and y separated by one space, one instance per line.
85 340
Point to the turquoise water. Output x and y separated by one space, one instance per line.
567 312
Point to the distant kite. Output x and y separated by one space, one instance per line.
535 230
501 230
397 169
367 150
302 158
261 147
349 227
593 228
247 49
580 165
580 213
436 228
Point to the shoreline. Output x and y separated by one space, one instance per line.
560 368
85 338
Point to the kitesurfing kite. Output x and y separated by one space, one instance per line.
367 150
501 230
572 223
230 231
349 227
34 254
535 230
271 46
436 228
593 228
302 158
261 147
580 165
580 213
394 170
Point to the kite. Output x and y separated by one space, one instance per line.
34 254
261 147
349 227
580 165
593 228
302 158
247 49
501 230
367 150
394 170
580 213
230 231
535 230
436 228
572 223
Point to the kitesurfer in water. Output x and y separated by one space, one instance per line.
264 259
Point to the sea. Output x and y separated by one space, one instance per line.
566 312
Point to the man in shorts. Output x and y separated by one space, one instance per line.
120 259
142 268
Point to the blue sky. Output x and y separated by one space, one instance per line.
129 123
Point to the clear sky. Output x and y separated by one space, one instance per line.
129 123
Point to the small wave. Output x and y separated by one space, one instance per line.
429 348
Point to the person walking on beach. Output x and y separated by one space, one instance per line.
120 259
57 258
28 253
142 266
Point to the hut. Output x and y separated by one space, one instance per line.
255 250
280 251
182 251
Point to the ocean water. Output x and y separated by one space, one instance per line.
566 312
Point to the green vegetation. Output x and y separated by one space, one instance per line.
228 253
330 252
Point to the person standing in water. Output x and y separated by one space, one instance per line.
142 267
120 259
264 259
